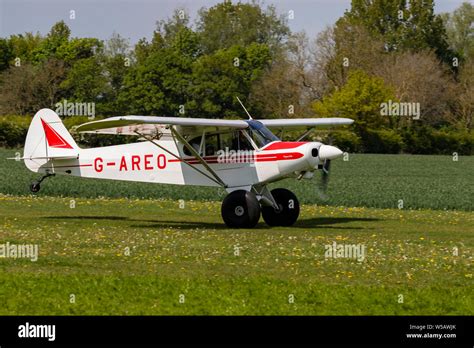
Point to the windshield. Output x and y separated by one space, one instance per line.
260 134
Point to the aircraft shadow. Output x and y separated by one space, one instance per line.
329 222
316 222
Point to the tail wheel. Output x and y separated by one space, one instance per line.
35 187
240 209
289 209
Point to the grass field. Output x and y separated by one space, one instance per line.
138 252
424 256
379 181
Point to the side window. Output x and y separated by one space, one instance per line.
229 141
235 140
195 143
212 145
243 142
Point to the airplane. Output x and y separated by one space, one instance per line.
241 156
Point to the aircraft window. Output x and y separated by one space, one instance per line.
260 134
243 142
228 141
212 145
195 143
235 140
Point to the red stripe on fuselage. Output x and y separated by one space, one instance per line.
264 157
283 145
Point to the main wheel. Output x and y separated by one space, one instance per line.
240 209
289 209
35 187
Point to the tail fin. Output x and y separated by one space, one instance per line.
47 139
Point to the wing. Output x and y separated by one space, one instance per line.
305 122
149 125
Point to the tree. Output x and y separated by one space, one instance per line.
354 48
277 92
143 48
227 24
6 54
228 73
116 60
169 28
159 82
402 25
418 77
291 83
57 36
460 30
28 88
24 46
85 81
463 108
359 99
58 44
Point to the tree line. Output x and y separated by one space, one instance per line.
396 55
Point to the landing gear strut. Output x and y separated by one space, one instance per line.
35 185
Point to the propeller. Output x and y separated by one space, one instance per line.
326 153
325 174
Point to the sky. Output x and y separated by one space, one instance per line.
137 19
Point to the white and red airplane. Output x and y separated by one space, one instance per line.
241 156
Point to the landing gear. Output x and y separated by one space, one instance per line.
241 209
288 212
35 185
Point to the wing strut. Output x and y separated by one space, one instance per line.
219 182
305 134
198 157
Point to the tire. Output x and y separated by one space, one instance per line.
290 209
240 209
35 187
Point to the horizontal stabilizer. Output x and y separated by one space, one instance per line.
45 158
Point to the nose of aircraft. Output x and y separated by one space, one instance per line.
327 152
317 153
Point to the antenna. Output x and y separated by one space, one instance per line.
250 117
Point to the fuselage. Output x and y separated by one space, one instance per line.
146 162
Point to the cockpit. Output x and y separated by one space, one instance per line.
253 138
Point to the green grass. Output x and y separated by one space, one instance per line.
189 251
173 251
380 181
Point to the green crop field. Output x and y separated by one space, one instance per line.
121 256
131 248
379 181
